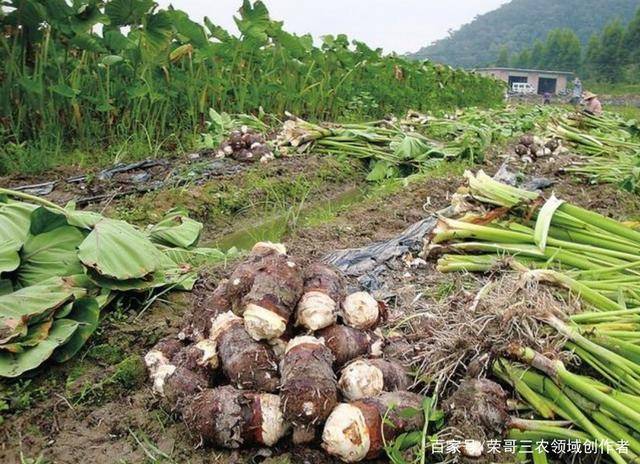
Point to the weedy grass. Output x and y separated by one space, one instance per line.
24 459
604 88
85 384
627 112
262 190
153 453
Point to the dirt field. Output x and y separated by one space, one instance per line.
98 408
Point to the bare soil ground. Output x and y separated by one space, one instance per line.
99 408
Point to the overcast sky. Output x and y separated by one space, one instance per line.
395 25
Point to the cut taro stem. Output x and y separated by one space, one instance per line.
359 430
360 310
262 323
230 418
323 292
316 310
347 343
370 377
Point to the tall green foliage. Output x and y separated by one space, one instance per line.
155 72
537 54
523 59
608 56
503 57
632 40
611 56
519 23
560 51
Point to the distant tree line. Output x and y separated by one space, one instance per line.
611 56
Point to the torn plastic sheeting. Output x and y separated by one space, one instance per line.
44 188
120 193
511 178
107 174
358 261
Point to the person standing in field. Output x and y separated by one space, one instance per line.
593 105
577 91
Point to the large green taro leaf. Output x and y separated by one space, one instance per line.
86 311
9 257
176 229
117 250
15 219
36 334
45 219
174 277
33 304
50 254
194 258
6 287
15 364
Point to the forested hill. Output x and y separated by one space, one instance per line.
519 23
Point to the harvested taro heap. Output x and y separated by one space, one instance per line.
279 350
246 145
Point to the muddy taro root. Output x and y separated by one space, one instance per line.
230 418
173 380
309 390
241 278
199 320
248 364
200 357
369 377
347 343
322 295
273 296
354 431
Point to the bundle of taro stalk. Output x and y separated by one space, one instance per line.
260 359
393 148
246 145
609 145
588 256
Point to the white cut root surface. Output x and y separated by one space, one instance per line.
316 310
209 350
154 359
345 434
160 376
360 310
274 427
376 346
303 339
159 369
263 324
220 324
361 380
264 246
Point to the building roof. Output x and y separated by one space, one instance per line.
543 71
